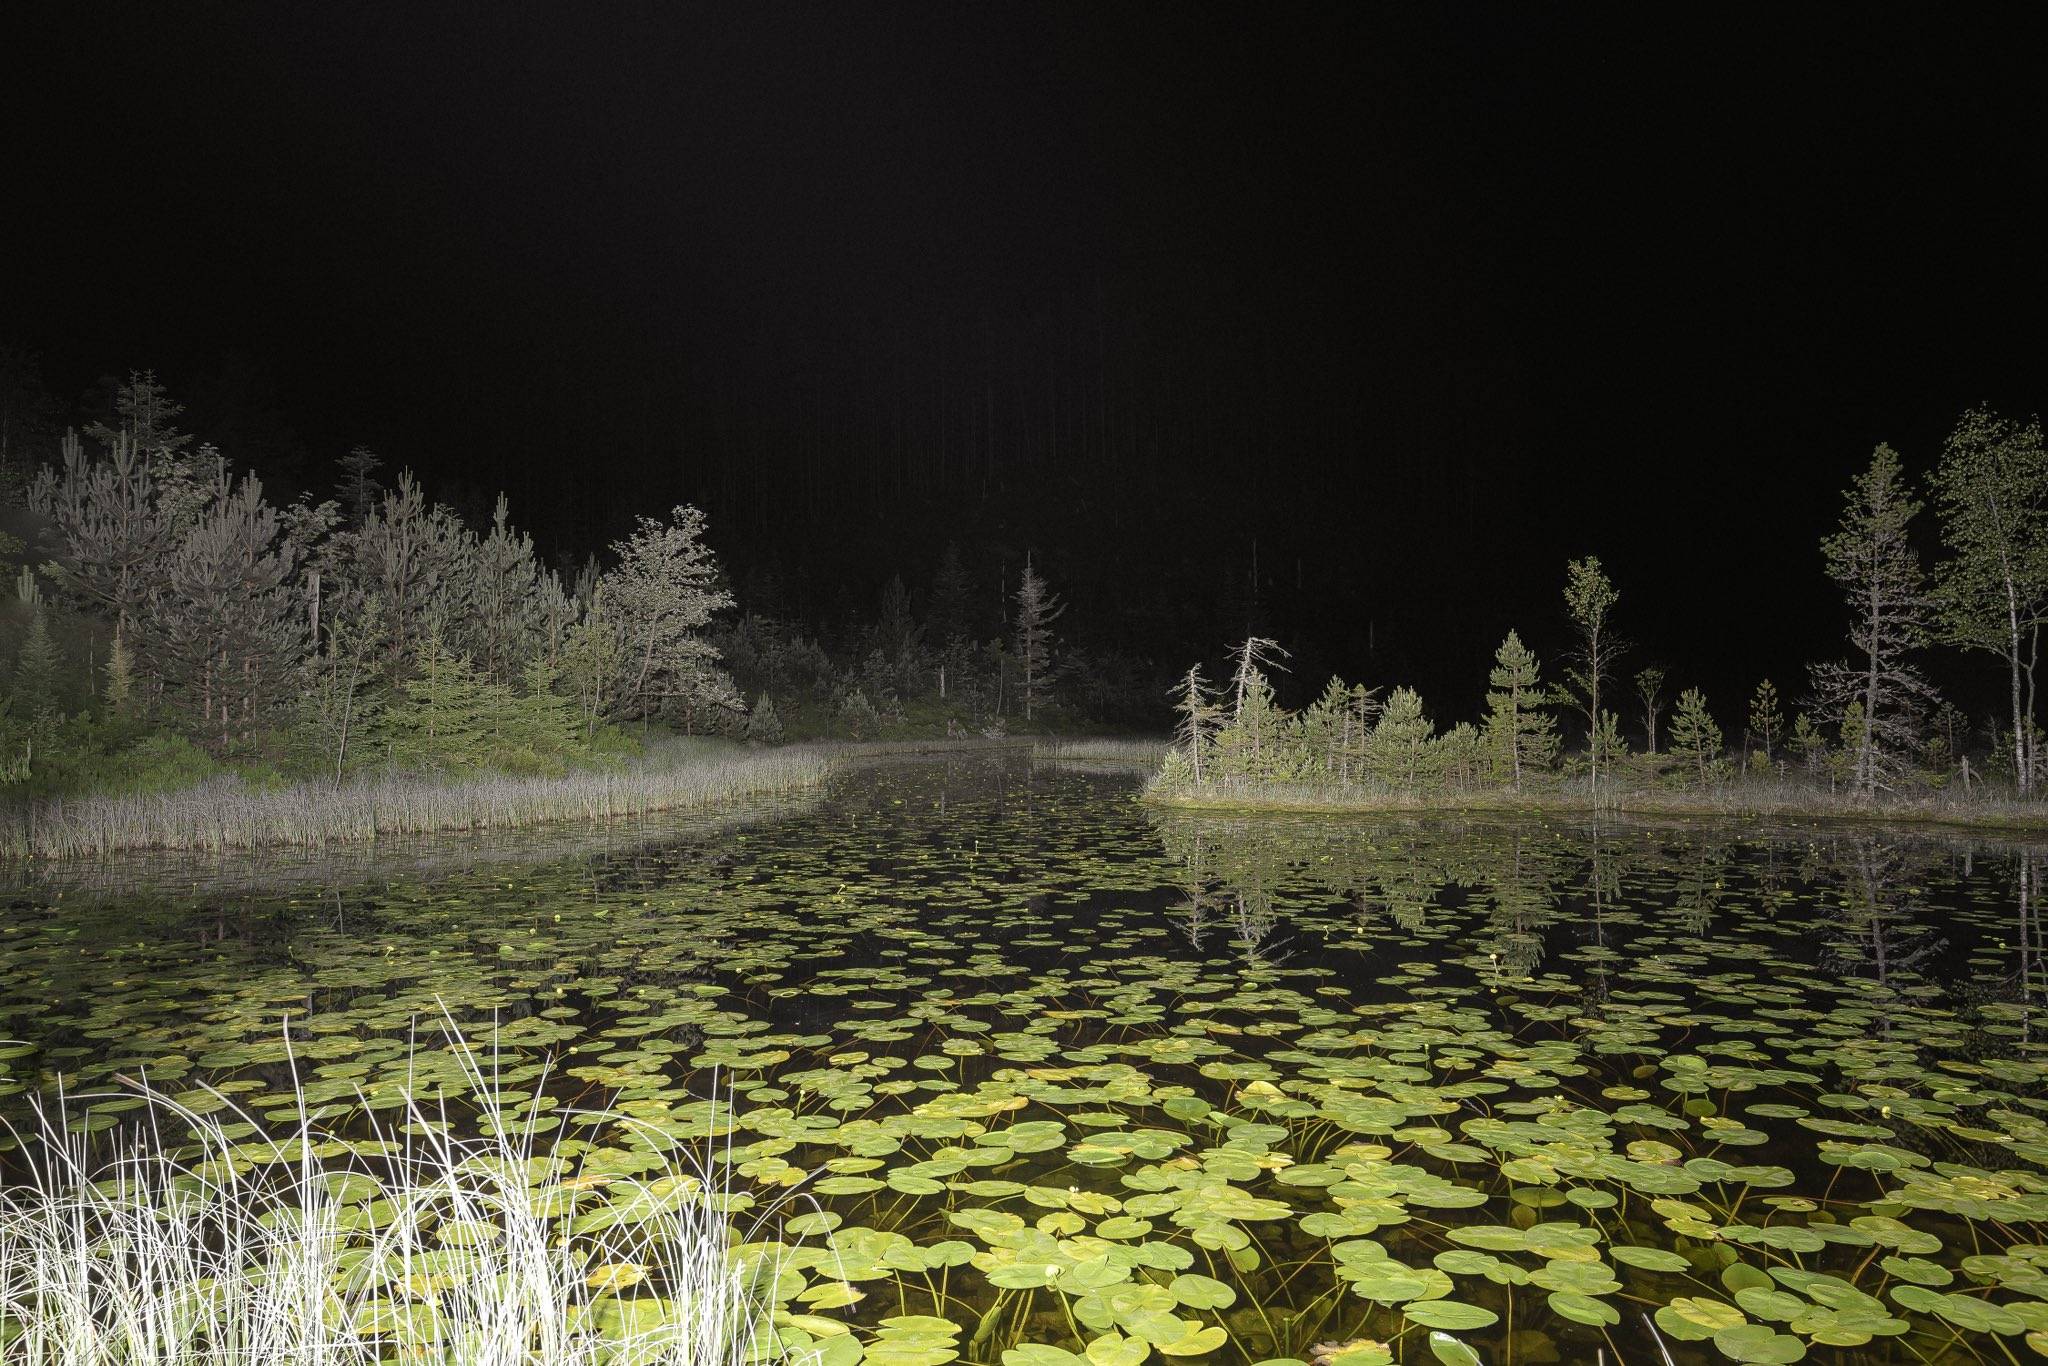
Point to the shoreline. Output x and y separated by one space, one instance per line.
226 816
1992 815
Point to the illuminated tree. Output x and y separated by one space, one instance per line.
1694 733
663 593
1589 597
1872 560
1991 496
1522 733
1766 721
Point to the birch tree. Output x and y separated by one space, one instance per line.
1991 593
1872 560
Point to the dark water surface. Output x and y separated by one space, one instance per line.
1061 1077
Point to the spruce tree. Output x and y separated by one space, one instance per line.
1037 610
1694 732
1871 558
38 667
119 689
1522 733
1197 717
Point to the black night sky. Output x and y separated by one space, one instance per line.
1411 303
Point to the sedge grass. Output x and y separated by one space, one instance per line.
1102 749
412 1245
227 814
1785 800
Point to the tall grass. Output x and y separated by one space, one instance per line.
228 1249
1746 797
1103 749
226 814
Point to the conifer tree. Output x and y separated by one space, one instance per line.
1197 716
359 486
1037 610
1523 734
1694 733
1650 692
1766 721
1991 496
119 688
223 627
1590 597
38 667
763 725
116 540
1397 755
593 658
1871 558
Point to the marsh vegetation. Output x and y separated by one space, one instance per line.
1002 1066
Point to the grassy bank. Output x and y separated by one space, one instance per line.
1102 749
225 813
1745 799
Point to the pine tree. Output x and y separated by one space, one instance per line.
38 667
1397 754
509 594
224 629
1650 692
120 675
116 539
1198 715
359 486
763 725
1037 610
1694 733
1766 721
1590 597
1522 733
593 659
1991 495
1808 742
1871 558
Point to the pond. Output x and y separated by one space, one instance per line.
1028 1072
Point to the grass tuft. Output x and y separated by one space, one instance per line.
407 1245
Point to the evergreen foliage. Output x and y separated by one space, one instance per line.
1037 609
1519 729
1695 734
1872 560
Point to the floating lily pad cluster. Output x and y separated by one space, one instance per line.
992 1066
